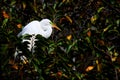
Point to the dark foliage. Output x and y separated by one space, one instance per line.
87 48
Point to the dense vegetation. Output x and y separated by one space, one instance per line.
90 35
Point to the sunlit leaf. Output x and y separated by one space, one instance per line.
24 5
5 15
68 1
61 4
14 66
63 1
114 59
100 9
118 22
98 65
89 68
70 65
13 2
116 54
69 19
59 73
94 18
89 33
69 37
55 5
105 29
19 25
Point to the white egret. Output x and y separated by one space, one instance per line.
43 28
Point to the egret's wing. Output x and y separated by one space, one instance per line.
31 28
26 30
19 34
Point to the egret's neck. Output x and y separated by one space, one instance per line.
47 32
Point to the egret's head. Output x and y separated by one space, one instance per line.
45 23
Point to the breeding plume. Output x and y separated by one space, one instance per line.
43 28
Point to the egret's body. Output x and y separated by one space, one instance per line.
43 28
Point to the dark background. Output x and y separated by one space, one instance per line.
90 33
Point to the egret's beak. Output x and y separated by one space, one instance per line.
54 26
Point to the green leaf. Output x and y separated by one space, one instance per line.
4 22
105 29
100 9
118 22
70 46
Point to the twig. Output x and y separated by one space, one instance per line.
113 8
116 75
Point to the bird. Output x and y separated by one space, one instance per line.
34 28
